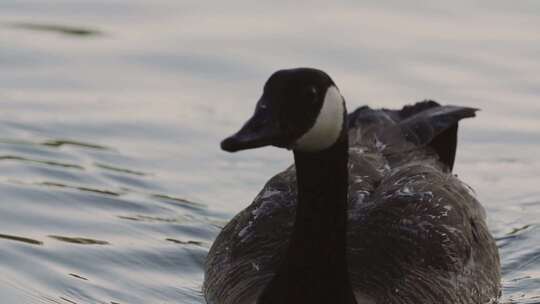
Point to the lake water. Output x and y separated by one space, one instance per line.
113 185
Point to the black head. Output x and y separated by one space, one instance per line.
300 109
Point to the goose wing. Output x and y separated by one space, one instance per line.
421 237
248 250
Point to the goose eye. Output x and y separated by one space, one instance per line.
310 94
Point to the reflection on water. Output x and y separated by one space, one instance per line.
185 242
78 276
20 239
107 192
122 170
44 162
112 183
64 142
78 240
61 29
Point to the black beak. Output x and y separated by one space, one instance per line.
262 129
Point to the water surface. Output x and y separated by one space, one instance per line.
113 185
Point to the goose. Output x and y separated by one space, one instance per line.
370 212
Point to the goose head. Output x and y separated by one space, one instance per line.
300 109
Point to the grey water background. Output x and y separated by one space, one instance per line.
112 183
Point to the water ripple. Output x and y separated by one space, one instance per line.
78 240
113 186
21 239
56 28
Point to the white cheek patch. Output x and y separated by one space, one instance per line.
327 128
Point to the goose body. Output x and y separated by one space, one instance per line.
409 231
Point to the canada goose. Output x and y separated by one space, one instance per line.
370 212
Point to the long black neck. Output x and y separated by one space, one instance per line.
315 268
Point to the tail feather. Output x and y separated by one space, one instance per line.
424 124
416 108
437 128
